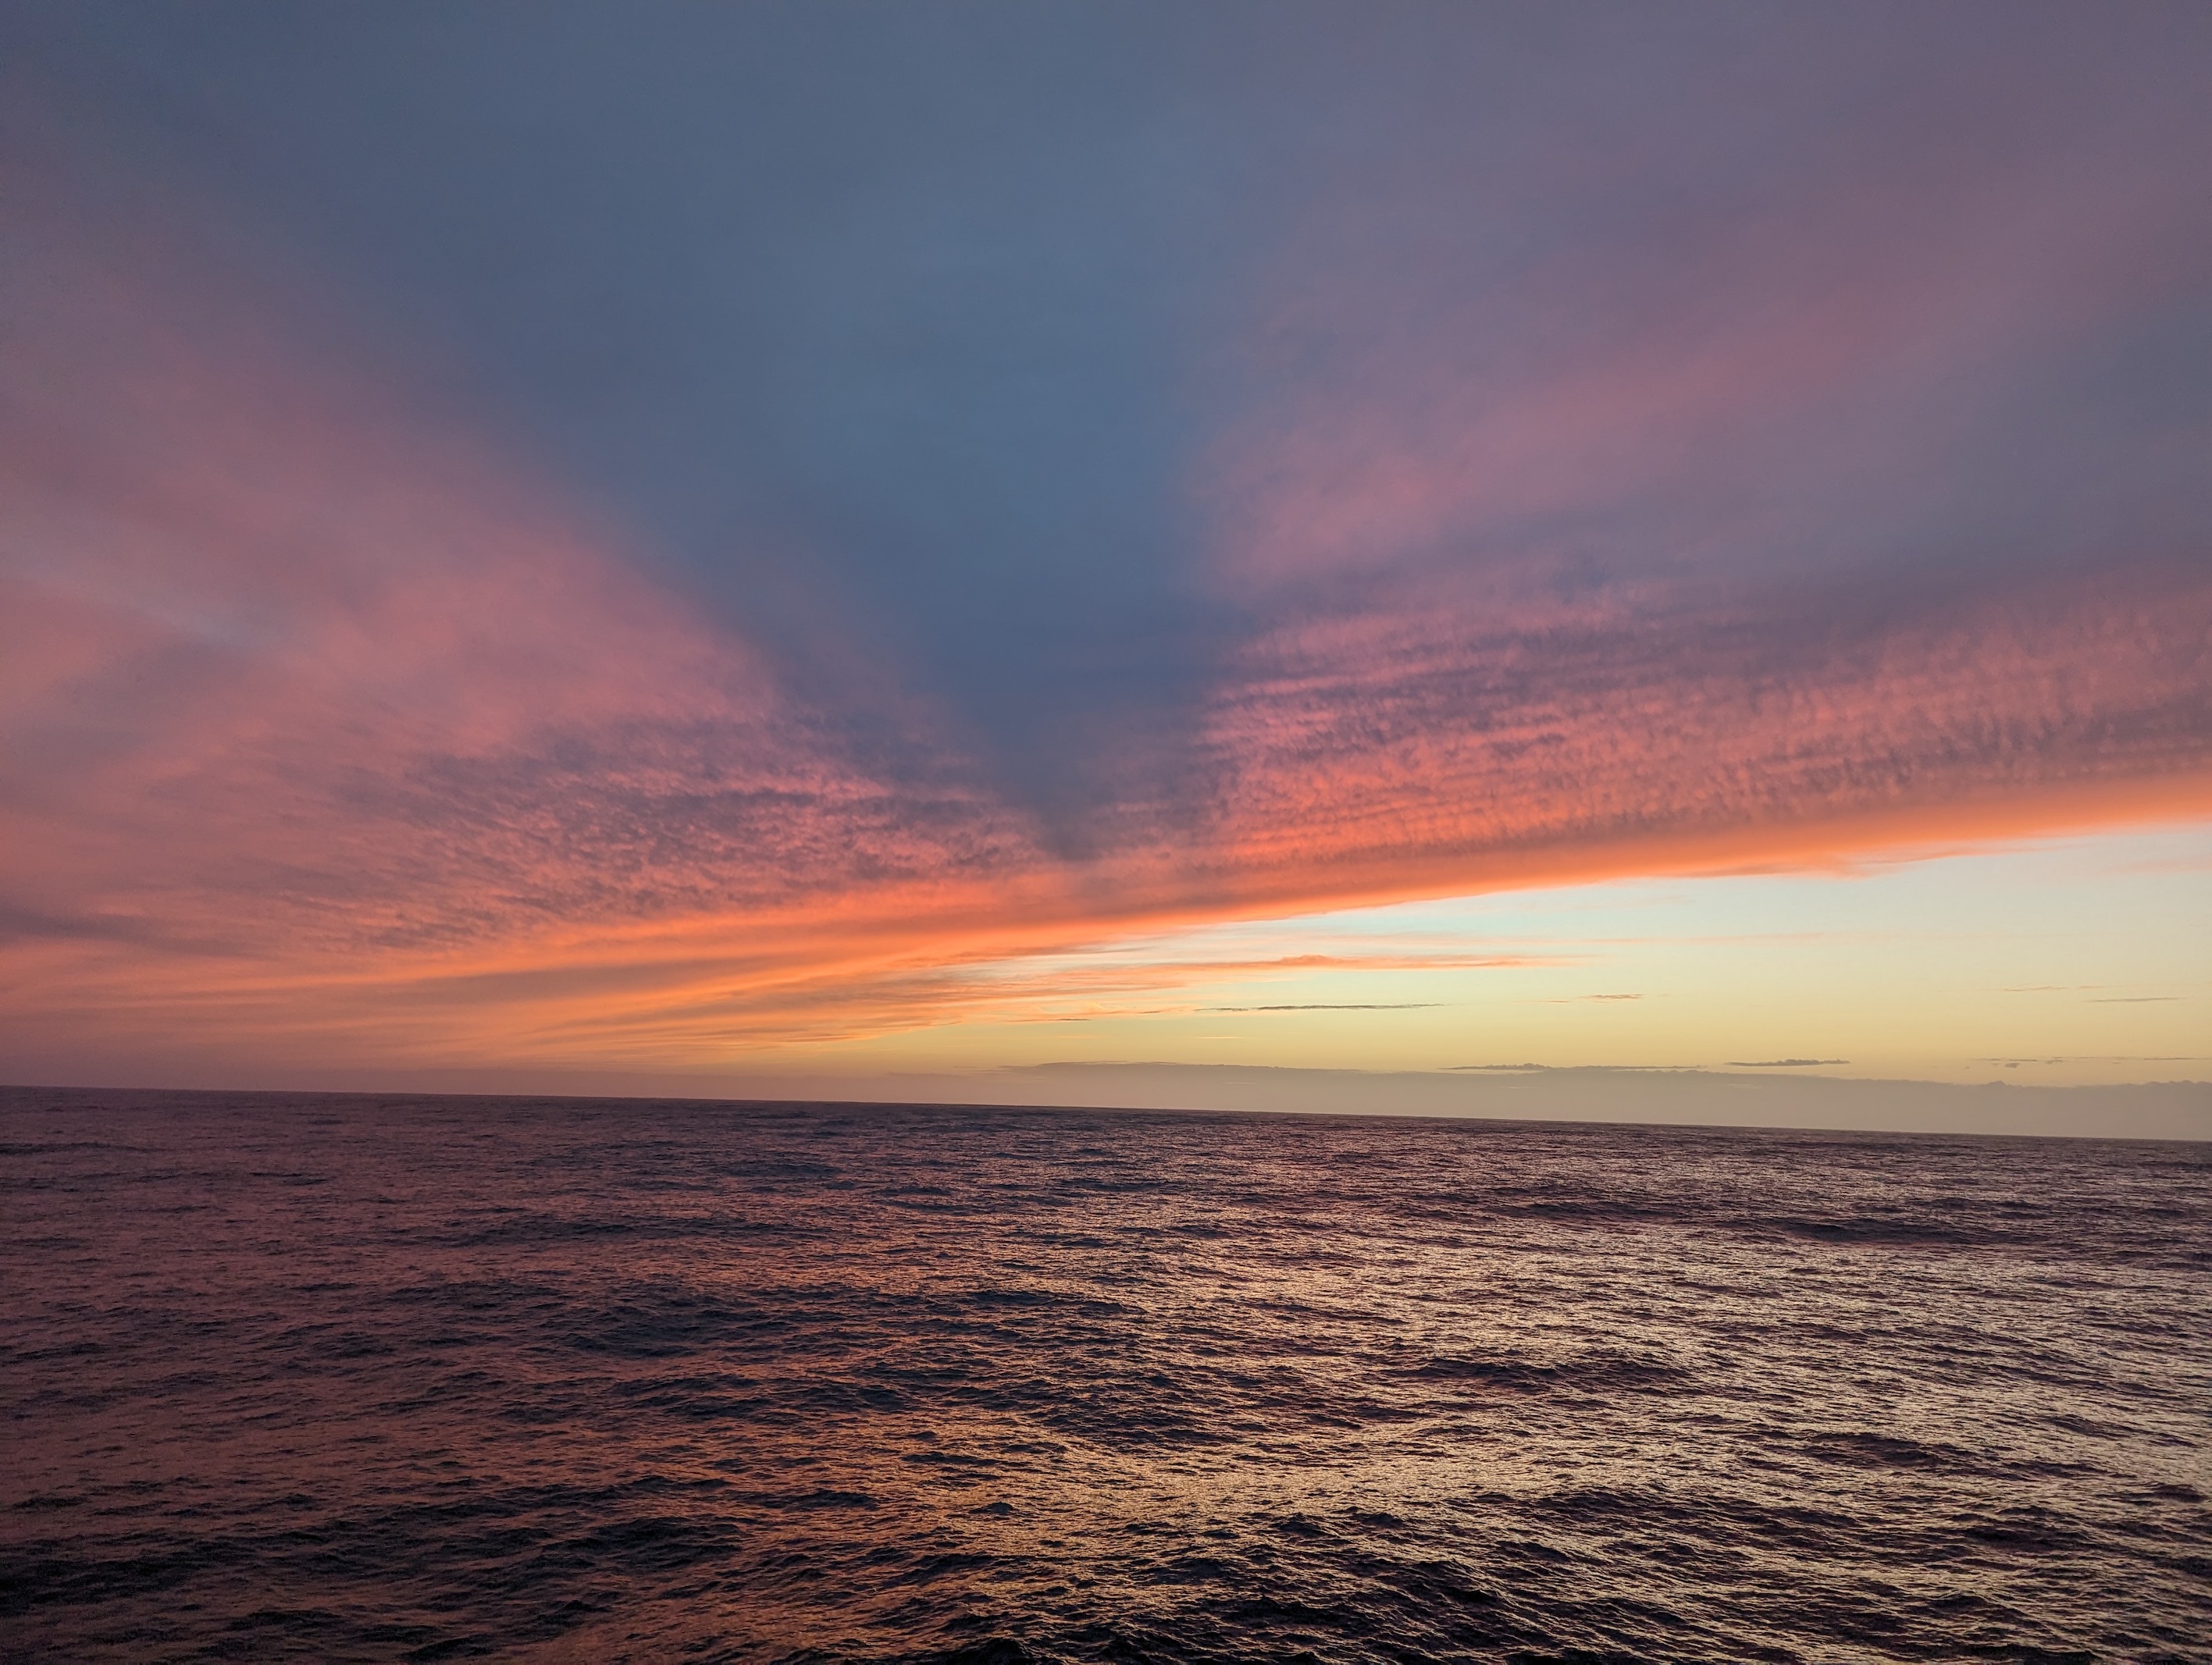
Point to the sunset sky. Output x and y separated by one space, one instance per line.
840 544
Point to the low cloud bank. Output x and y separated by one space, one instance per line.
2165 1110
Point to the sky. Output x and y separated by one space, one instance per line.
908 550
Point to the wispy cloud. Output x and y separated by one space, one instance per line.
1337 1006
1574 1069
2109 1058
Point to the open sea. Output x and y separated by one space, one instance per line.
389 1378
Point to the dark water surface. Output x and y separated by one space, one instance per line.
356 1378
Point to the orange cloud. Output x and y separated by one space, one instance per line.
1423 739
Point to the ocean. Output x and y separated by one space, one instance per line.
335 1378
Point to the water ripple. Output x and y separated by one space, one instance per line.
337 1379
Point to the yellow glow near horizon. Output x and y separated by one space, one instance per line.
2070 961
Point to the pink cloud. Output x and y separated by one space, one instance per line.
1440 739
272 634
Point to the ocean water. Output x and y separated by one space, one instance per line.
340 1378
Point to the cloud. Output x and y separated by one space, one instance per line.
2013 1063
1577 1068
585 631
1338 1006
1596 528
1680 1097
1783 1064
